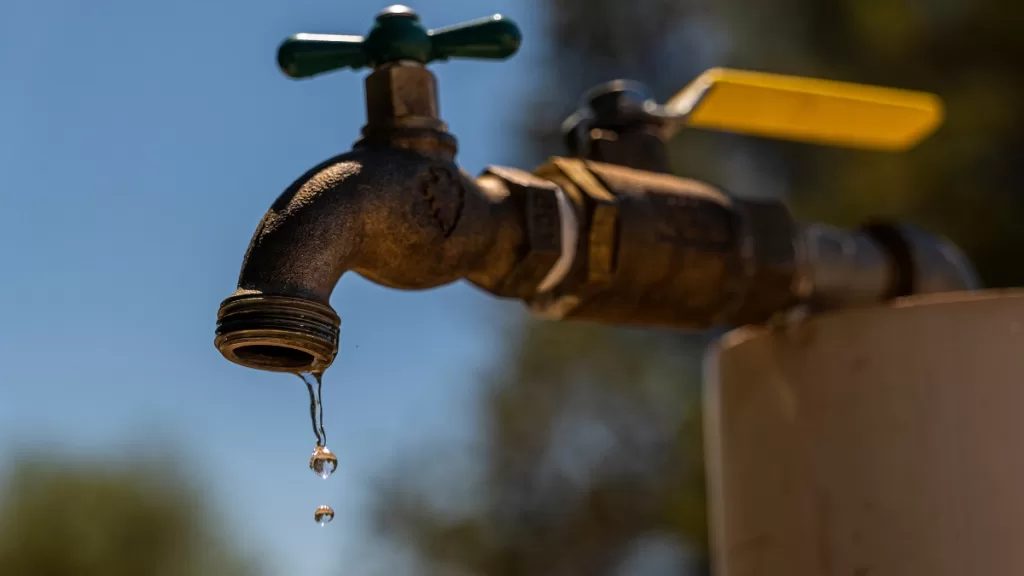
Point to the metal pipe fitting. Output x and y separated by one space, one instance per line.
927 263
618 123
277 333
578 240
847 268
658 250
840 268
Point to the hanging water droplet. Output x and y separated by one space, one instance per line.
323 515
323 462
316 407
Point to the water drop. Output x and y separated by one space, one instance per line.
323 462
323 515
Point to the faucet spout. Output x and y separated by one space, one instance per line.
402 218
396 209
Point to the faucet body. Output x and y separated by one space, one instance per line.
395 209
608 235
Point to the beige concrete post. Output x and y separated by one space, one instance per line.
880 442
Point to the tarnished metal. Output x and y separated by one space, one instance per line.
402 95
922 262
618 123
277 333
607 236
397 217
768 261
657 222
846 268
665 251
396 209
842 268
402 112
537 202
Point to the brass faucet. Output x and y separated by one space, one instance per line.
606 234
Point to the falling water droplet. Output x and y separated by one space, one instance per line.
323 462
323 515
316 407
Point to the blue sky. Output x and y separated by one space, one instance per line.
140 143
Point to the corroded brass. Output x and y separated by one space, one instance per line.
398 217
608 236
668 251
540 227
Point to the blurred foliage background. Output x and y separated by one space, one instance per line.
136 516
589 455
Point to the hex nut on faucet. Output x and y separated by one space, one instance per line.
402 94
542 224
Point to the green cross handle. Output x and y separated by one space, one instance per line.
398 35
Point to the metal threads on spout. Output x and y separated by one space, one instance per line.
277 333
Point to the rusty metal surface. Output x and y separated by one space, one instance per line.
769 260
663 247
658 250
399 218
402 94
640 148
537 204
615 125
620 241
277 333
396 209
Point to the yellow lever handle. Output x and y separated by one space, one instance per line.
807 109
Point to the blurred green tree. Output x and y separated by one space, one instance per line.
61 518
591 446
592 459
965 180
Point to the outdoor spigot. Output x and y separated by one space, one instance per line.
606 236
396 209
